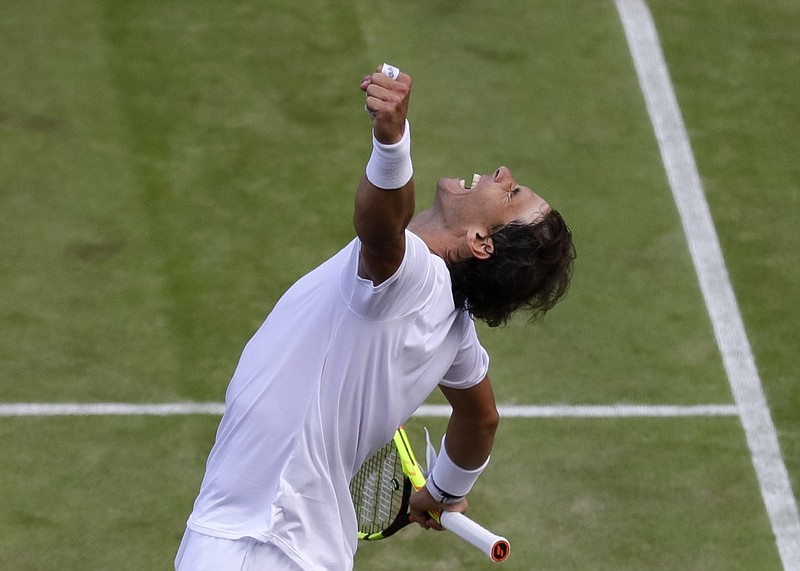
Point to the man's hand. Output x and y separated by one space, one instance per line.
387 103
421 503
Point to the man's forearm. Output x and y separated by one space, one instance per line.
384 202
470 439
473 423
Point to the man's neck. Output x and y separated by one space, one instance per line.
428 226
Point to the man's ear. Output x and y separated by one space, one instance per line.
481 246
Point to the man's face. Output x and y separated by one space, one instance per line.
490 202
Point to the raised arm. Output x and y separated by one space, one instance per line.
384 201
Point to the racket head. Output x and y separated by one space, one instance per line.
380 492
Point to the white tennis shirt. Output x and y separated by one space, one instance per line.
336 367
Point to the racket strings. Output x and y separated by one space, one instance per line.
377 490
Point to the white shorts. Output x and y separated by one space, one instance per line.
200 552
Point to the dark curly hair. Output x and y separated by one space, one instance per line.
530 268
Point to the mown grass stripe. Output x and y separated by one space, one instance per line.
737 356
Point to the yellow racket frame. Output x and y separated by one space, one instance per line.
409 462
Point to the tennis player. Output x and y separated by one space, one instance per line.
354 347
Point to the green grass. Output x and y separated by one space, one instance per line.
608 494
168 169
95 493
737 91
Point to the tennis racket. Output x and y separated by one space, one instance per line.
381 491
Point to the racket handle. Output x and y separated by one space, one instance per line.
495 547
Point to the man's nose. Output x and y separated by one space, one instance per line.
503 173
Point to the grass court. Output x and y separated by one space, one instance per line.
168 169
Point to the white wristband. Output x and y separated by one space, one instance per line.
449 483
389 166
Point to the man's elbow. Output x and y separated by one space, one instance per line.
491 420
486 421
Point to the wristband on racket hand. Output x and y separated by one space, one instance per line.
447 482
389 166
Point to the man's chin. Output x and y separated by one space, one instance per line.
452 186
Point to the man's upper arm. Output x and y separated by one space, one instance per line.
380 219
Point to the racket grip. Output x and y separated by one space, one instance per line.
495 547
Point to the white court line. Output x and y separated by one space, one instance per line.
593 411
507 411
709 263
110 409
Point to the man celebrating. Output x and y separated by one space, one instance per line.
354 347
